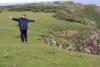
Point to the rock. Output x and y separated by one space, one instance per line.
45 39
71 48
87 44
68 33
53 42
87 50
92 23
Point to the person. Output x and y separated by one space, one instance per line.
23 26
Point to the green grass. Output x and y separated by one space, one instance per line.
13 53
91 14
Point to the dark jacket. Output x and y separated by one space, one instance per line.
23 22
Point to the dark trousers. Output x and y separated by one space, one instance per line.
23 35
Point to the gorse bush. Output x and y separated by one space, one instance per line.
0 11
36 8
72 15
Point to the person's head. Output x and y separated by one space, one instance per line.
23 16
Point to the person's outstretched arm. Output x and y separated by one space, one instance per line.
13 18
30 20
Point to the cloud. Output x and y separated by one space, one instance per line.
11 1
25 1
97 2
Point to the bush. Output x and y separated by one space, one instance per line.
0 11
72 16
63 15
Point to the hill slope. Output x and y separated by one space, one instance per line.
13 53
91 14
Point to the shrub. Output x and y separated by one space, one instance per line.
0 11
71 15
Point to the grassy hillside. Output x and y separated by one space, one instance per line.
91 14
13 53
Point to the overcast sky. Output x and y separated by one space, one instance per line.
79 1
97 2
11 1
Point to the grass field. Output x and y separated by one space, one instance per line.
13 53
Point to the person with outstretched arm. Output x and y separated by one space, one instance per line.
23 26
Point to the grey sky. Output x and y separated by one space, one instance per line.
13 1
2 2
